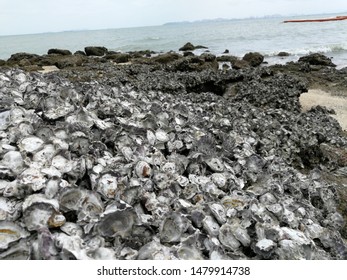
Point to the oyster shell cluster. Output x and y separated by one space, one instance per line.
105 170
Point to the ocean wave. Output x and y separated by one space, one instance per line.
334 48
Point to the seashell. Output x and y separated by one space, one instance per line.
128 253
40 212
107 185
169 168
117 220
127 153
219 179
143 169
210 226
161 180
161 136
72 229
198 180
175 146
227 238
12 163
45 155
19 251
151 138
10 232
4 119
172 228
72 247
215 164
241 234
62 164
265 247
18 115
295 235
185 252
30 144
10 209
154 251
33 178
71 199
182 181
218 212
276 209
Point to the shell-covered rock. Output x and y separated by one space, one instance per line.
153 162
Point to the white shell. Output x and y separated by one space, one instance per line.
227 238
162 136
33 178
9 233
107 185
30 144
143 169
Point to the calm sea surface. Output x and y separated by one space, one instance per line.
267 36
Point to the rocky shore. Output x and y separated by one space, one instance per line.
143 155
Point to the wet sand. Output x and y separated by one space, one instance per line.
316 97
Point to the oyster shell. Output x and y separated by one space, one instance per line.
117 220
10 232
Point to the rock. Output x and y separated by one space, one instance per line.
240 64
95 51
19 56
59 51
2 62
208 57
166 58
227 58
190 47
283 54
80 53
253 58
317 59
69 61
226 51
187 47
118 57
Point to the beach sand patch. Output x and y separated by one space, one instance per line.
316 97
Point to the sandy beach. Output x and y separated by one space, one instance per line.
316 97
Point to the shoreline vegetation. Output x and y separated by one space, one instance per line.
144 155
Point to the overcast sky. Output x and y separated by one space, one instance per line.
36 16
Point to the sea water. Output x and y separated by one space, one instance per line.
268 36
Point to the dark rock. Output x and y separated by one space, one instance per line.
208 57
253 58
280 92
59 51
226 51
24 62
143 53
317 59
187 47
95 51
2 62
166 58
118 57
240 64
68 61
188 54
283 54
19 56
122 58
80 53
227 58
200 47
190 47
